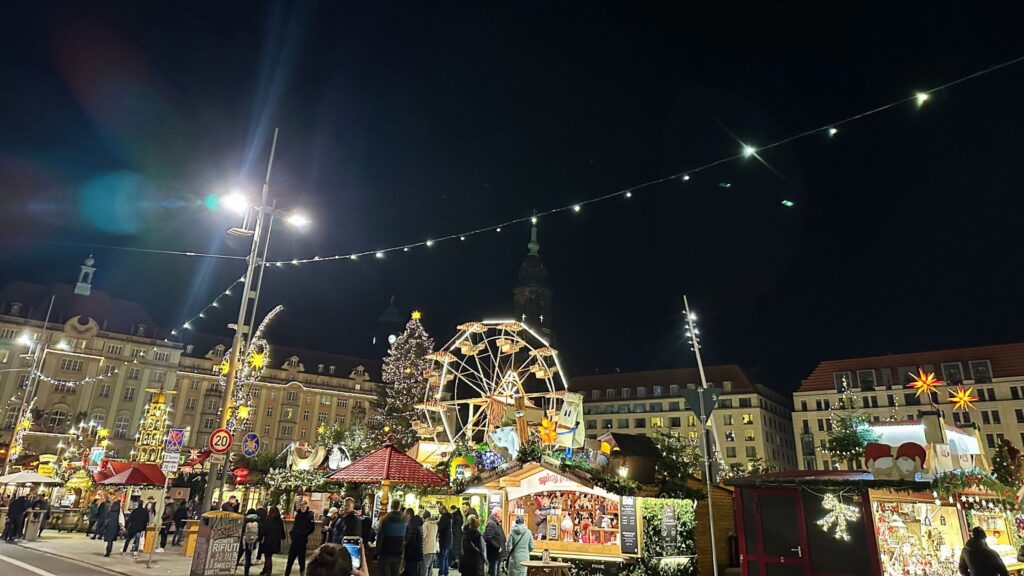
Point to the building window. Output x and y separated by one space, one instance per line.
104 391
1020 415
623 423
656 390
730 451
725 402
287 430
673 406
657 422
1015 392
866 379
322 417
159 377
289 413
162 357
981 371
673 389
640 422
675 422
748 435
625 392
325 400
115 349
270 410
641 392
639 408
342 403
133 373
906 374
138 353
595 394
209 423
745 403
121 427
193 385
129 394
57 418
266 429
730 436
727 420
654 407
305 415
291 396
190 404
339 419
748 418
751 451
691 421
71 365
991 440
842 381
273 394
609 393
952 373
995 417
991 394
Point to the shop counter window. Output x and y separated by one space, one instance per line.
917 537
568 516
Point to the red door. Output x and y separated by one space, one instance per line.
775 535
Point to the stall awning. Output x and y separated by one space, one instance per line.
387 463
137 474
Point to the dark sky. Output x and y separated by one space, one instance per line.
401 122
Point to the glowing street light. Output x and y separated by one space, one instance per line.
236 202
298 219
748 150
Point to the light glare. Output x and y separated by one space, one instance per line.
921 97
748 150
236 202
298 219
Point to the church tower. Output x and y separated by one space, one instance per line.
532 295
388 327
84 285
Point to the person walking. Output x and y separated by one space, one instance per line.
494 537
444 539
391 540
113 524
302 527
179 517
273 535
16 518
262 513
520 544
252 533
135 528
456 554
474 556
977 559
101 518
94 515
166 521
430 544
413 553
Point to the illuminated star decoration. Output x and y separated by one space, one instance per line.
242 412
103 433
962 399
416 314
839 515
547 432
924 382
258 360
225 365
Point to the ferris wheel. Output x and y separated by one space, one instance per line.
492 375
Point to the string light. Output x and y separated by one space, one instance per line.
838 517
830 128
187 325
629 194
921 98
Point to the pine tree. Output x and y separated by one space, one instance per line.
1006 465
404 386
851 429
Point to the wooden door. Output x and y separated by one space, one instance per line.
773 533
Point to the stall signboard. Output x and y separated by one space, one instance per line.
669 528
628 543
178 493
216 551
171 461
46 470
96 454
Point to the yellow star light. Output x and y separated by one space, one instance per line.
416 314
243 412
258 360
103 433
225 365
547 431
321 429
924 382
962 399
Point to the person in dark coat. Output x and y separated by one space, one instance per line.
365 526
135 528
302 527
273 535
16 518
473 559
455 556
391 540
494 537
112 524
262 513
413 552
101 518
179 517
444 539
41 504
977 559
94 515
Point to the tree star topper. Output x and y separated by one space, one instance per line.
962 399
924 382
416 314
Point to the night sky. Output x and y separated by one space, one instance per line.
402 122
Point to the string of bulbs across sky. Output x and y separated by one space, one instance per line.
747 151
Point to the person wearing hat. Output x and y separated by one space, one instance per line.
977 559
520 544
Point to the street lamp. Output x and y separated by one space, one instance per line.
262 226
34 349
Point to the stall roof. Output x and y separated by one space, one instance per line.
826 478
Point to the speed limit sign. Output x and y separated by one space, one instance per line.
220 441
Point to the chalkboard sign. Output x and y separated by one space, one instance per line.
217 544
669 531
628 543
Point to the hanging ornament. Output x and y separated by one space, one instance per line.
839 515
248 372
547 431
962 399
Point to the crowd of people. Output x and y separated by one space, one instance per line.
109 522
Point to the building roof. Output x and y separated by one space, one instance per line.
740 382
310 359
387 463
111 314
1006 359
633 444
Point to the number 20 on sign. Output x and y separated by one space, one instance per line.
220 441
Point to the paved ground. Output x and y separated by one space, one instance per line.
74 554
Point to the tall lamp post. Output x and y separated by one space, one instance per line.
260 216
38 353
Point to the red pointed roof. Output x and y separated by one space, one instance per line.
137 474
388 463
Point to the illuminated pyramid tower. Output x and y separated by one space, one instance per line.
149 444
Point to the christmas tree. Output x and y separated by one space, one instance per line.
404 386
1006 465
850 429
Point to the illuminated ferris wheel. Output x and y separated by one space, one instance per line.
492 375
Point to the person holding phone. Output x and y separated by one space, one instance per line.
334 560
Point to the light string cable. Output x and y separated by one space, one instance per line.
747 151
215 303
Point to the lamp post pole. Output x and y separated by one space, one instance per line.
248 293
33 379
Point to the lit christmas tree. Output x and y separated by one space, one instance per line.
152 437
850 429
404 386
1006 465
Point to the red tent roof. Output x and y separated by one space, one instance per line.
113 468
387 463
137 474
